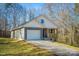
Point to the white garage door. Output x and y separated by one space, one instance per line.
33 34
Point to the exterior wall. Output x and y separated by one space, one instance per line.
18 34
47 23
12 34
22 33
36 23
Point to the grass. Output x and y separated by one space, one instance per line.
12 47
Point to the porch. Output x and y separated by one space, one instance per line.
49 34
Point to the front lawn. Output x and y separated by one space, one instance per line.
12 47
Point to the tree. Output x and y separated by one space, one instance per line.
31 13
65 21
76 9
15 12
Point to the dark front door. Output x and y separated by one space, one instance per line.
44 33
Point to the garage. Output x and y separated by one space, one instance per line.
33 34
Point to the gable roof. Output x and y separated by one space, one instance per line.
36 24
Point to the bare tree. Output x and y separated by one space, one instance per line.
14 12
31 13
65 21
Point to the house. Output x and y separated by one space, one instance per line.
40 28
44 27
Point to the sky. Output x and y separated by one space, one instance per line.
32 5
37 7
57 8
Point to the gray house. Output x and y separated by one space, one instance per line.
39 28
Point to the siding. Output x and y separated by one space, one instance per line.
47 23
18 34
12 34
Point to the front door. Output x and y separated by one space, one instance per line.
45 33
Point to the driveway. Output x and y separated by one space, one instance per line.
58 49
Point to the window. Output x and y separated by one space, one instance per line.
42 21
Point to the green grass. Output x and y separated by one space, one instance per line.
12 47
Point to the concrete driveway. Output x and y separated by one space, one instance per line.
60 50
